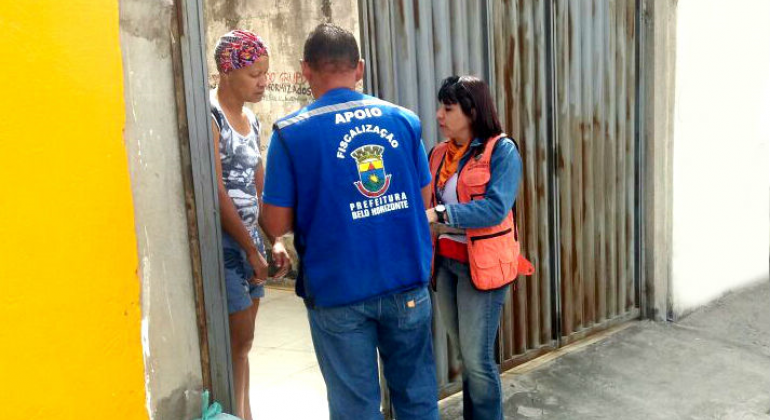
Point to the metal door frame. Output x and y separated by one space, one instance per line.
201 199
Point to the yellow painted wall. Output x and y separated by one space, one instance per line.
70 345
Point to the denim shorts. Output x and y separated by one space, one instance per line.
238 272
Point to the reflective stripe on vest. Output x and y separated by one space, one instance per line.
494 255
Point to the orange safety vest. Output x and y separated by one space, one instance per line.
493 252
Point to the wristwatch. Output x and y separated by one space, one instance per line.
440 213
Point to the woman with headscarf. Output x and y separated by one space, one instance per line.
242 62
476 173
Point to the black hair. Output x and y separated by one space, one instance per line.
475 100
331 48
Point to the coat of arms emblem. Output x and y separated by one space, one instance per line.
373 181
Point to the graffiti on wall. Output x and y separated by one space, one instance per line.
287 87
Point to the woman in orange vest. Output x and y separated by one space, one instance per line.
476 174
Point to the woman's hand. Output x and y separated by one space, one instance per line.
432 216
281 258
259 265
440 229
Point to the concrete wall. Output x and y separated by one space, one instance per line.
658 62
721 149
169 327
284 25
70 302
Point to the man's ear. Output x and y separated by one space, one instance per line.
360 70
306 70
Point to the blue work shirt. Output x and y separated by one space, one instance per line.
352 167
505 175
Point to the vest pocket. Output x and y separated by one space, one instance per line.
477 176
508 261
475 181
490 235
485 249
494 258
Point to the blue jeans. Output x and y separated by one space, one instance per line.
472 318
346 341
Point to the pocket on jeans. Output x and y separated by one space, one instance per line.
232 258
338 320
414 308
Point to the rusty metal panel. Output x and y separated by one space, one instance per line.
442 40
477 53
600 142
564 159
382 49
519 39
542 121
621 155
563 76
611 150
458 31
576 165
630 39
594 47
405 42
528 140
594 96
426 77
585 29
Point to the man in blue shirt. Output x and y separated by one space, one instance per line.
349 175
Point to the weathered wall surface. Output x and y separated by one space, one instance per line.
284 25
70 307
658 58
721 149
169 328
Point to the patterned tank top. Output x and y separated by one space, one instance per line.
240 156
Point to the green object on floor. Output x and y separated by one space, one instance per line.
213 411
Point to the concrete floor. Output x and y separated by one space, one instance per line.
714 364
285 380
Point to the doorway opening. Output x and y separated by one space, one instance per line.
282 364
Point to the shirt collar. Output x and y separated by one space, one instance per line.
337 93
476 142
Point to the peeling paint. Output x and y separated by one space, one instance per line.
148 19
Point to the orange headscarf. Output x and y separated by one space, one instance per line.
451 160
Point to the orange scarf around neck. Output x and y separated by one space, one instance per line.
451 160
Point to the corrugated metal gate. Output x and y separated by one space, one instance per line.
521 79
596 92
565 77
